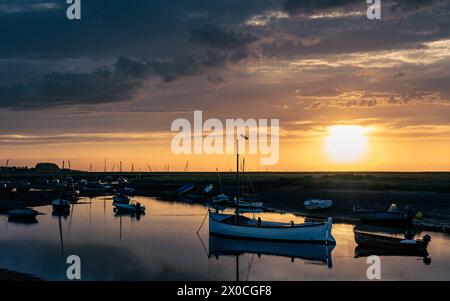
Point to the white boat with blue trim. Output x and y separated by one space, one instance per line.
245 228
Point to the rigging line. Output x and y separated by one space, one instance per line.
203 244
250 266
207 211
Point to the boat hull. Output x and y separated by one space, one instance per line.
121 200
388 243
22 214
308 232
129 208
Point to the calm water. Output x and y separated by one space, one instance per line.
163 245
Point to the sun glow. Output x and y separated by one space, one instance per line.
346 143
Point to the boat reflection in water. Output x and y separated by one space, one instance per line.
361 251
318 253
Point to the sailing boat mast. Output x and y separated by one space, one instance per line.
220 181
237 175
237 181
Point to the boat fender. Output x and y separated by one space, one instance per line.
426 238
408 241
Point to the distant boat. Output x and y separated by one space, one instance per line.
121 198
225 225
5 186
94 187
392 215
184 189
208 189
129 191
130 208
316 204
221 198
220 246
23 213
250 204
122 180
377 241
61 205
24 186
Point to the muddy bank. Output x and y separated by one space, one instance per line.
7 275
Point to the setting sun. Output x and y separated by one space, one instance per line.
345 143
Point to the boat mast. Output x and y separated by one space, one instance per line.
237 174
237 180
220 181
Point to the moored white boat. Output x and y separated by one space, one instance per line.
250 204
23 213
121 198
225 225
60 204
220 198
316 204
131 208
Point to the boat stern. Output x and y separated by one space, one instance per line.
329 236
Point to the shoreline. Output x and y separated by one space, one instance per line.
8 275
428 193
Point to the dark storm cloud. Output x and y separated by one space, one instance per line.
143 40
216 37
107 85
306 7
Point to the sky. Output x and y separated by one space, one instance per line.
110 85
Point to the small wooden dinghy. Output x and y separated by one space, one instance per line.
388 242
316 204
121 198
61 205
245 228
130 208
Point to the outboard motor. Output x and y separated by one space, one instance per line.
410 212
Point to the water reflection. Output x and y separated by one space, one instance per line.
164 245
220 246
